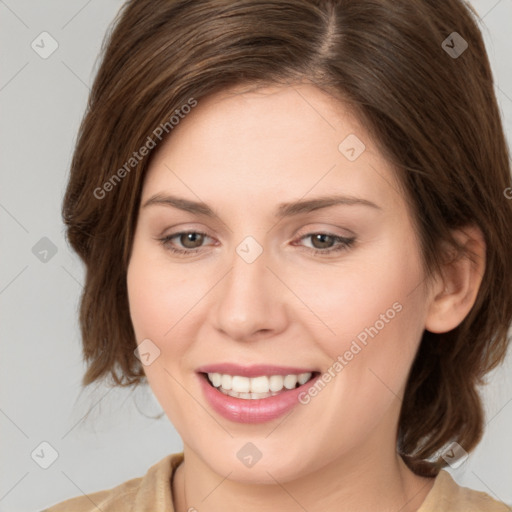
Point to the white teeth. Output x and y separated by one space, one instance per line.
226 382
256 387
247 396
276 383
261 395
290 381
259 384
303 378
240 384
215 379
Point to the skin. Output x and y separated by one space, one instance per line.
243 153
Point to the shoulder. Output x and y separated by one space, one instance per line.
447 496
117 498
153 490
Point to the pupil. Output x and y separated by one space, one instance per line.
189 237
320 237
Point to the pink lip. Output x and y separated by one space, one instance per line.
251 371
253 411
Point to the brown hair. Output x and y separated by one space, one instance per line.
433 115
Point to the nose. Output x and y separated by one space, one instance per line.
250 299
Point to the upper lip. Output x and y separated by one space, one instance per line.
253 370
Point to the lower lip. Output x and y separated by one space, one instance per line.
260 410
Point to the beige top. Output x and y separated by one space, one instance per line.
152 493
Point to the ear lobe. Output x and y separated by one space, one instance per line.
456 290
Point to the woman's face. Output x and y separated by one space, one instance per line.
259 296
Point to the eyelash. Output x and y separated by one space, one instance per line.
343 243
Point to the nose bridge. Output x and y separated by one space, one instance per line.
247 303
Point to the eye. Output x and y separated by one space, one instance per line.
322 243
327 243
190 240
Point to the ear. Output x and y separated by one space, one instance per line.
454 293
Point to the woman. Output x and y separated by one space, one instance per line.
294 220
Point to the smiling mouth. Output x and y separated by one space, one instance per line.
255 388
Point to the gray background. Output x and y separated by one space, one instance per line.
42 102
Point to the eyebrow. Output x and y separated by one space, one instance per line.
283 210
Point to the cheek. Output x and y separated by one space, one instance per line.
156 309
366 297
146 301
156 298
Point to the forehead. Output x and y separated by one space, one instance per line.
252 144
